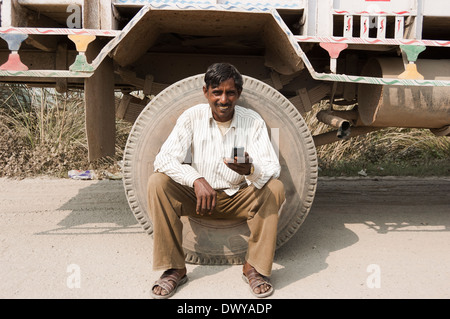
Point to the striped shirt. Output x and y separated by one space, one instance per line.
196 148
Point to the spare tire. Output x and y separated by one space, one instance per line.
220 241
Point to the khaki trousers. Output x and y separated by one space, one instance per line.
169 200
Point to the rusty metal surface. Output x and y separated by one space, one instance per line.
420 107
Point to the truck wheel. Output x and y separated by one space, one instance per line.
219 241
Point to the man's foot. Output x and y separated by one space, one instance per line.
167 284
260 285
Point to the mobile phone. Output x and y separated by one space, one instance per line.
237 151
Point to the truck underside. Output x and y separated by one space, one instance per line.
148 45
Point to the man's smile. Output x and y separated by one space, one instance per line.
223 107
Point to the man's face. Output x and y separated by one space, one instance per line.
222 100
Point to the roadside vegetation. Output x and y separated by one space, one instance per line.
42 133
387 152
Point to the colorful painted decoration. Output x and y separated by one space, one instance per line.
14 41
81 42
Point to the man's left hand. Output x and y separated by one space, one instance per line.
241 165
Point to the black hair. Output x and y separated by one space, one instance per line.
220 72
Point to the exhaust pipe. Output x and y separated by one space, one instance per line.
339 119
343 130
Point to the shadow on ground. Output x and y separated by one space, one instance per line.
100 208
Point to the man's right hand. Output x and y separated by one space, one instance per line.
206 196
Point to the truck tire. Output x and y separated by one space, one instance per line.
220 241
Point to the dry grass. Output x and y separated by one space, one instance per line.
391 151
42 133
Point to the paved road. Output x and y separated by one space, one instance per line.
364 238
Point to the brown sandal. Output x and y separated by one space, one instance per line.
255 279
169 282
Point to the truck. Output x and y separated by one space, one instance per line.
374 63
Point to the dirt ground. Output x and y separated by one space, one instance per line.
364 238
